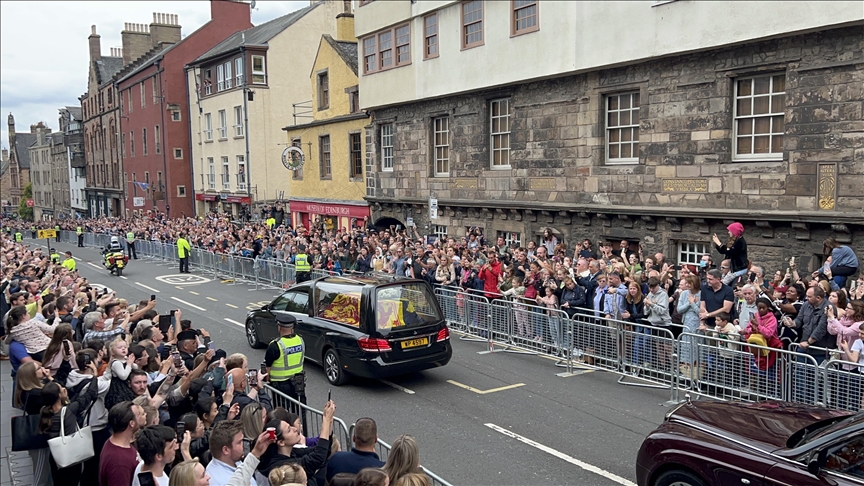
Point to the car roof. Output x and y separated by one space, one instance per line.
368 279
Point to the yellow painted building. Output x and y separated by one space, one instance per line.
330 185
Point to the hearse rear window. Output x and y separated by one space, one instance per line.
404 306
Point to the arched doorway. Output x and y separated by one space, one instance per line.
385 223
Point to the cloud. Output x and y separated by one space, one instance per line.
45 51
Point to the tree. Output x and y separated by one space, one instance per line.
25 212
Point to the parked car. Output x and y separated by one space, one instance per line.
768 443
367 326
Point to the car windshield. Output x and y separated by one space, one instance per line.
404 306
820 429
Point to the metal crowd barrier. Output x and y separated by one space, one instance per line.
383 450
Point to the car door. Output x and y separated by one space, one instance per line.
267 327
843 466
298 306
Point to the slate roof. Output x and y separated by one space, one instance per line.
153 56
258 35
346 50
75 112
107 67
23 141
3 166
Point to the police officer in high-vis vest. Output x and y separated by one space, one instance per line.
80 232
57 231
130 243
302 267
284 359
18 236
55 257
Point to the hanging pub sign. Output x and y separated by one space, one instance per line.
293 158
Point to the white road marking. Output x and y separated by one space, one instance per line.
211 298
232 321
190 305
124 278
194 293
93 265
400 388
232 305
146 287
76 258
560 455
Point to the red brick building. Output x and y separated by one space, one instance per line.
154 121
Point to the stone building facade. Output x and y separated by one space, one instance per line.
15 175
683 165
40 174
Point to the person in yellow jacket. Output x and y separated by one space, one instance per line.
284 359
183 250
270 222
69 262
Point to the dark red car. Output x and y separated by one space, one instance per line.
758 444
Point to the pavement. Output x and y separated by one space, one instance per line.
484 419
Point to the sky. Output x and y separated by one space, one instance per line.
44 55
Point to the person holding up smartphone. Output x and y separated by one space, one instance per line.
157 445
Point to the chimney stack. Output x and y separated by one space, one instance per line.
95 45
345 27
4 155
136 41
164 29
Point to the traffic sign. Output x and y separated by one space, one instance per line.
48 233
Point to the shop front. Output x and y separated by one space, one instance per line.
333 216
223 203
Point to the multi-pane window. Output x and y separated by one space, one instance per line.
207 82
324 158
385 49
241 173
691 252
220 78
123 143
403 44
178 153
228 75
370 55
208 127
259 70
511 237
500 132
354 100
156 136
472 24
387 146
430 36
226 174
323 91
144 141
441 140
524 17
297 175
238 71
211 173
223 124
622 128
132 144
760 106
141 90
238 121
440 231
176 116
355 147
181 191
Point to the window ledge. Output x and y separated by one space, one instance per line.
657 3
527 31
237 137
500 167
387 170
222 139
208 141
773 158
623 162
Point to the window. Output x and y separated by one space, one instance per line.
241 173
208 127
238 121
387 147
155 93
500 132
440 231
123 144
226 175
129 99
175 115
511 238
297 175
158 145
259 70
324 159
143 141
238 71
147 181
355 148
223 124
430 36
472 24
524 19
141 88
220 78
211 174
441 140
760 106
353 99
181 191
403 45
228 75
385 49
691 252
323 91
132 143
178 153
622 128
208 82
370 55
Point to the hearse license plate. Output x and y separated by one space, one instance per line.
415 343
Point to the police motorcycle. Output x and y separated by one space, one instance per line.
113 257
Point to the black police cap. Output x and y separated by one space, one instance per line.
285 320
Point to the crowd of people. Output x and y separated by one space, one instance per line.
162 403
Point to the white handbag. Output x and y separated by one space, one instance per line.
72 449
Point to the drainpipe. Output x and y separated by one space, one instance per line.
189 148
159 71
246 133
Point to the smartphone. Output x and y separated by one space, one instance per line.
211 345
263 369
87 359
181 429
230 380
329 392
146 479
172 312
178 361
152 296
164 324
752 277
252 378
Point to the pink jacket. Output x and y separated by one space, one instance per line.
767 325
845 329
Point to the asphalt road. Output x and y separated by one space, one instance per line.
585 429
